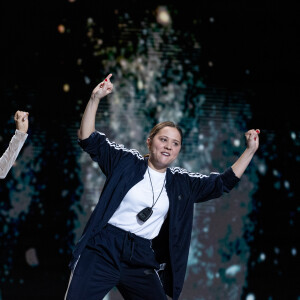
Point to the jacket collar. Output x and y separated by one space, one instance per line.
169 176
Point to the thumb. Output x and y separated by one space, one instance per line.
25 116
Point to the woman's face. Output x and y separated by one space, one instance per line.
164 148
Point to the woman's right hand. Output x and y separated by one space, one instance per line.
102 89
21 120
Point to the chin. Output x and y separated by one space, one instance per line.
166 164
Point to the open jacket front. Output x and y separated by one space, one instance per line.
123 169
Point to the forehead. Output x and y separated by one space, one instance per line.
170 132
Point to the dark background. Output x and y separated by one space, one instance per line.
254 47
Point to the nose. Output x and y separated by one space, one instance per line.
168 146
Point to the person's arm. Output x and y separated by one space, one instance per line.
87 126
252 140
215 184
16 143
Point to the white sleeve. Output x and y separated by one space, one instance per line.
11 153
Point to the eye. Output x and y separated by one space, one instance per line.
176 144
163 139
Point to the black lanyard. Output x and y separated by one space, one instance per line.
146 213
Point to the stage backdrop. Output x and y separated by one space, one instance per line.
203 67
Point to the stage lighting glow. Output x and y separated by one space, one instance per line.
87 80
201 147
276 250
286 184
163 17
140 84
31 257
236 143
61 28
250 297
232 270
66 87
262 257
262 168
293 135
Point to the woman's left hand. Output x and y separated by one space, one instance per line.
252 139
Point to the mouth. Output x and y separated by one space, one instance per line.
165 154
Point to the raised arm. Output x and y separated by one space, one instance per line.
252 140
16 143
88 119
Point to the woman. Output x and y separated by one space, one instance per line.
16 143
138 236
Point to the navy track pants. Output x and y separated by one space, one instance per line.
115 257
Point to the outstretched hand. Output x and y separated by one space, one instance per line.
21 120
252 139
103 88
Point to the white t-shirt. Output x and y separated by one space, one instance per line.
139 197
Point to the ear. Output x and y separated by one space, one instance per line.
149 143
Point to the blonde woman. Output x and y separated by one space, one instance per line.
138 236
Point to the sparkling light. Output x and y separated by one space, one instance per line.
293 135
262 256
66 87
163 17
87 80
250 297
286 184
294 251
233 270
61 28
262 168
201 147
31 257
236 143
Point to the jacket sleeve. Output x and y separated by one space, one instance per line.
106 153
212 186
11 153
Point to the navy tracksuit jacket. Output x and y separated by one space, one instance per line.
123 169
